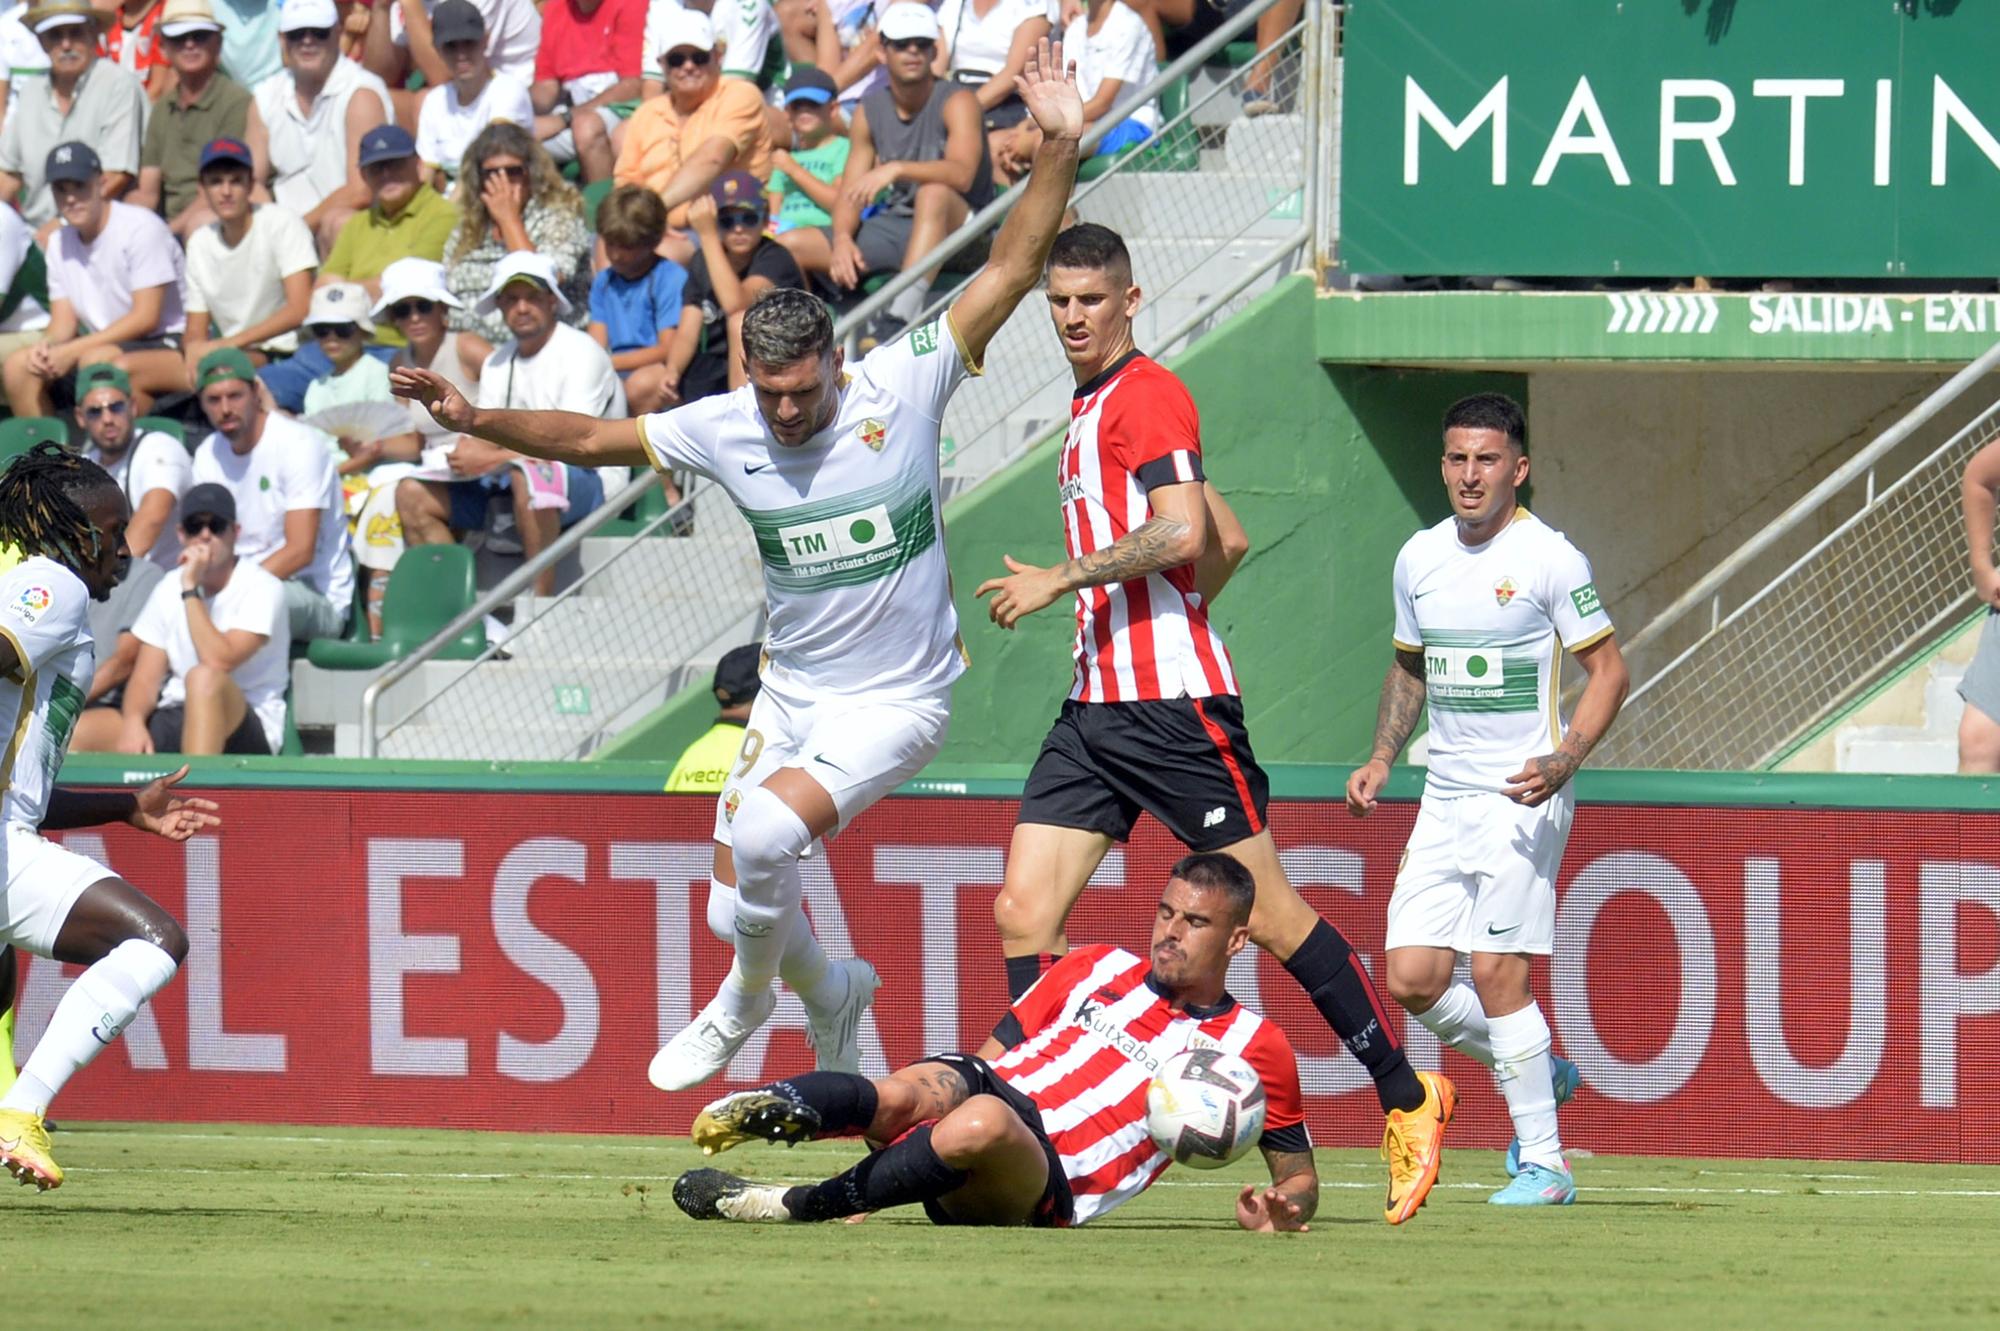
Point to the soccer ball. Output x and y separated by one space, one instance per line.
1205 1108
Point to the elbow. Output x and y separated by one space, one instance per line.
1235 546
1191 544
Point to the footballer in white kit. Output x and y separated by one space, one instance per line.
1486 603
836 470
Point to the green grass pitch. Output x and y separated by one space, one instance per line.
253 1227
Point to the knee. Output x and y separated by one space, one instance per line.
765 834
1500 979
934 198
980 1125
722 910
411 497
1416 982
165 933
1022 913
207 682
589 130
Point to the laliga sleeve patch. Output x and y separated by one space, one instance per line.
33 602
1585 600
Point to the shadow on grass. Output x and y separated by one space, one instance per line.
57 1211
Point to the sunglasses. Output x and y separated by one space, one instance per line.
675 59
406 309
195 38
334 330
309 35
739 219
505 172
205 522
79 34
98 411
924 44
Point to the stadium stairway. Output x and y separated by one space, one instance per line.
1909 725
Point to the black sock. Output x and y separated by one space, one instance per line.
1324 967
909 1171
1022 972
845 1101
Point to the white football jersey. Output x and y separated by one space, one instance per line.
848 524
1492 622
43 613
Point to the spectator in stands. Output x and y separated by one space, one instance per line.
402 38
985 43
1114 57
406 218
514 201
152 469
1176 25
545 366
340 326
203 105
1979 725
588 62
82 100
307 122
213 651
635 301
704 765
289 504
921 140
736 264
249 277
743 33
453 113
250 44
805 177
131 40
21 56
24 286
114 286
677 145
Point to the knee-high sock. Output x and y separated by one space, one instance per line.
7 987
845 1101
1324 965
1521 1066
1023 972
804 966
909 1171
1458 1020
769 840
97 1007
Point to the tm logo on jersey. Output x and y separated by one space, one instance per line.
1479 678
835 545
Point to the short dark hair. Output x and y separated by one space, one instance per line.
785 325
1212 871
1088 245
632 215
1490 411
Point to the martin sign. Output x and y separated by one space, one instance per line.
1557 137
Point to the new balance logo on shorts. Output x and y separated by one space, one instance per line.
1214 817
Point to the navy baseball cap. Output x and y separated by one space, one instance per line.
808 84
72 161
386 143
737 675
211 500
226 150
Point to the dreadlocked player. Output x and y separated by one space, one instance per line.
66 518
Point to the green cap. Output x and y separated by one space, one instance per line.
222 365
102 375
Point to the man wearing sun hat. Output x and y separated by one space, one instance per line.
204 105
81 100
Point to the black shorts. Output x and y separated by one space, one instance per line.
1207 17
1186 761
166 723
1057 1207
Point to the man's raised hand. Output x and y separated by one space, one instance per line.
1048 87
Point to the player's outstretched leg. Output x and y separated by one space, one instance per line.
132 948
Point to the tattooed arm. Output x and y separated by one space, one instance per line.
1603 695
1396 719
1290 1200
1176 534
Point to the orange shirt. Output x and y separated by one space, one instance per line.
657 137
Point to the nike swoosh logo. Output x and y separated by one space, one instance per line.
6 1145
1508 930
749 470
822 758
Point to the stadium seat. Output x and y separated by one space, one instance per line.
593 195
18 434
431 585
1176 148
166 425
650 505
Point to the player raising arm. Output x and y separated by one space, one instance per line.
1483 599
836 471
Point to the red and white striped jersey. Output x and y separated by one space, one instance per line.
1132 428
1084 1044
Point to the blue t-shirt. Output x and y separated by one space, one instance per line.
634 312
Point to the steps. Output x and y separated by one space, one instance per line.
1930 746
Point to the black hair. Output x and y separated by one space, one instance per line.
1490 411
785 325
1088 245
1212 871
42 494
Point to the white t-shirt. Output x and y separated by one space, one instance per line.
744 27
570 373
43 613
309 149
446 127
1492 622
252 600
15 238
153 461
513 33
98 277
1122 49
289 468
240 288
980 44
19 49
848 525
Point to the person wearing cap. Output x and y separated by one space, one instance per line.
291 511
921 140
476 94
204 105
706 124
804 177
512 199
249 275
588 62
735 265
703 766
82 100
405 219
985 43
402 38
214 649
308 120
341 325
636 298
114 287
744 30
547 365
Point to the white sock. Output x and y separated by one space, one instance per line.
1458 1020
909 303
1521 1066
804 965
97 1007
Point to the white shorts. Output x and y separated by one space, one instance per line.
42 882
859 749
1480 875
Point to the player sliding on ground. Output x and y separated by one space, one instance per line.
67 518
837 473
1485 602
1153 721
1047 1125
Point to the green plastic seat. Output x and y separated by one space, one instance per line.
1175 148
18 434
593 195
431 585
166 425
